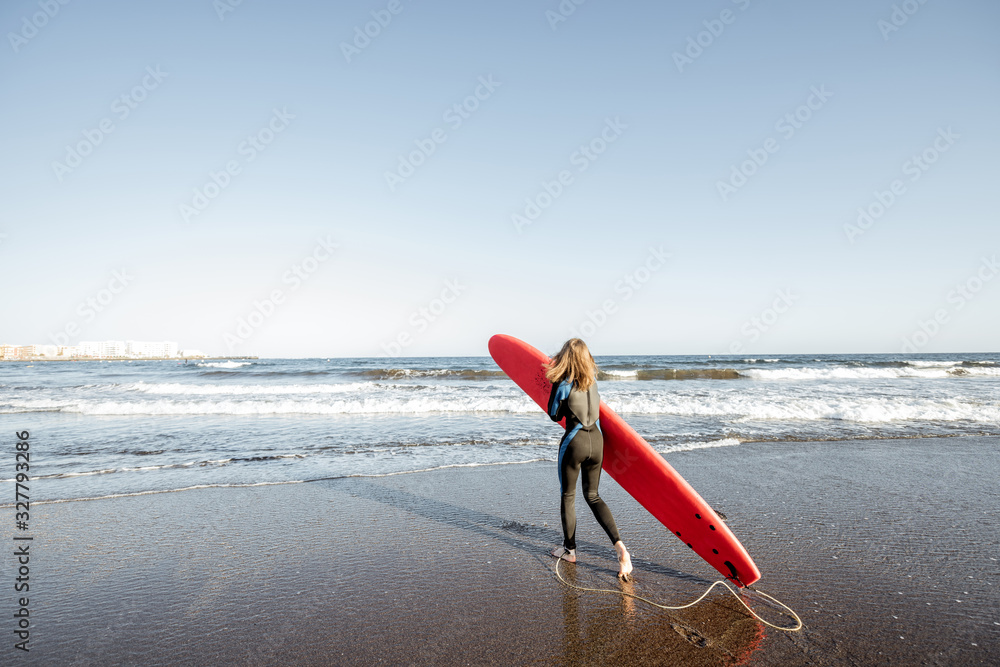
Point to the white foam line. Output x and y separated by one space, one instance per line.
360 405
691 446
68 474
452 465
253 390
63 475
223 364
621 374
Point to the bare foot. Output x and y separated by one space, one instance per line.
568 555
624 561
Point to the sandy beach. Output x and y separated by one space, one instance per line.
887 550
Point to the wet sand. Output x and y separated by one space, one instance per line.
887 549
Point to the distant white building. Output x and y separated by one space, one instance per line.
90 348
142 349
107 349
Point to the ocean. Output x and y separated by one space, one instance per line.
110 428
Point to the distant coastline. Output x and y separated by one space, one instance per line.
33 359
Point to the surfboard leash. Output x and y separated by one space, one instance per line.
720 582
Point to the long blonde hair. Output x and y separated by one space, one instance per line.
573 363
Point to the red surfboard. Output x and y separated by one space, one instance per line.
640 470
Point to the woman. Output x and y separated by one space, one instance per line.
573 375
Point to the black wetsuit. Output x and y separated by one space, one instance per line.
581 447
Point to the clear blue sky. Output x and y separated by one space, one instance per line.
677 132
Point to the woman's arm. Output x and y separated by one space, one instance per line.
557 397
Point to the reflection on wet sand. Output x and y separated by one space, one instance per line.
600 628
